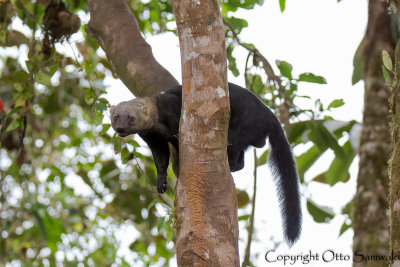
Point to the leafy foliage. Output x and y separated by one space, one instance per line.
320 214
358 64
282 5
64 194
387 66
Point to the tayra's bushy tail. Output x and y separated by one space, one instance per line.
283 168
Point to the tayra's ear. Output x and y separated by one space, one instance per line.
111 109
146 112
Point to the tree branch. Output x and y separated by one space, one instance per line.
115 28
258 57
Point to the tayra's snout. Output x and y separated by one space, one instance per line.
121 131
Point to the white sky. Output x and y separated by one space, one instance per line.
314 36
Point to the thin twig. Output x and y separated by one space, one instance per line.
258 57
250 229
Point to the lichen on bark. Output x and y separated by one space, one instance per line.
394 164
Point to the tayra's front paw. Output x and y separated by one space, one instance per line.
161 184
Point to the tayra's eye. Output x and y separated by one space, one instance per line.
115 119
131 119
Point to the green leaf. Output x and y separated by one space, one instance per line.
242 198
282 4
344 228
358 64
256 85
54 230
319 213
89 67
43 78
233 5
3 38
100 106
117 143
336 103
339 127
32 65
15 123
109 174
170 235
307 159
297 130
85 177
98 117
151 204
348 209
124 263
387 61
263 158
237 23
125 155
338 170
39 221
249 45
160 223
324 139
311 78
89 96
133 143
386 75
244 217
320 178
285 68
232 61
105 128
14 110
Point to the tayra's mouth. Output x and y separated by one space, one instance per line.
122 134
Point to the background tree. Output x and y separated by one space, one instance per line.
371 223
394 170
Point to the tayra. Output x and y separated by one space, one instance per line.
156 120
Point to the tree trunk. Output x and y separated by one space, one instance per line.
206 205
115 28
371 222
394 168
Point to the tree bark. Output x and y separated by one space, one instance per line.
206 205
115 28
371 221
394 167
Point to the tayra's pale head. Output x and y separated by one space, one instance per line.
134 116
